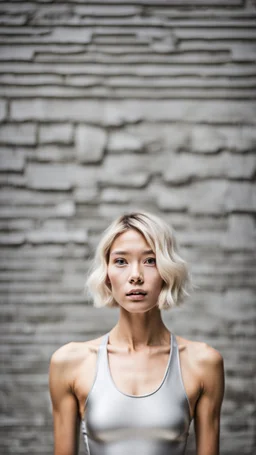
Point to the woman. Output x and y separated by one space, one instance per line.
137 388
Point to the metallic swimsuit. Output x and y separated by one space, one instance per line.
156 423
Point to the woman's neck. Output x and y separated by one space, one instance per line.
139 330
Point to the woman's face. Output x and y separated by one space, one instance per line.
132 273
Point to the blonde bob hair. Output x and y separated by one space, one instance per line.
160 237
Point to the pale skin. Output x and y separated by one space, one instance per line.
138 350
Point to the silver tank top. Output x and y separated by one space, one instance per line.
156 423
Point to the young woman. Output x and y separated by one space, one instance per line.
137 388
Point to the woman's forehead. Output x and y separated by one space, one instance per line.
130 240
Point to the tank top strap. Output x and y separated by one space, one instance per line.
174 378
173 361
104 340
100 370
174 341
175 351
101 366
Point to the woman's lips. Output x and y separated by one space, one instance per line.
136 297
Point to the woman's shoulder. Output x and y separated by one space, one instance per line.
199 352
75 352
68 361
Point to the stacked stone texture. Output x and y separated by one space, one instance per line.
110 106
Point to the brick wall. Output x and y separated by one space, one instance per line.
107 106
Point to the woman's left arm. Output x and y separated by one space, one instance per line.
208 408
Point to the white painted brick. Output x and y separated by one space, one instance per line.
60 176
28 30
12 239
116 209
156 137
13 179
184 167
208 197
116 114
241 197
241 167
141 91
38 212
61 133
215 33
36 34
208 139
49 176
39 253
11 160
177 70
205 3
49 236
200 111
83 80
85 176
190 111
119 112
167 44
126 66
11 7
22 134
29 79
122 141
3 109
8 19
51 13
241 233
68 35
54 225
245 139
243 51
124 172
15 225
202 239
86 195
26 197
16 52
172 93
205 139
55 91
175 199
90 143
66 209
105 11
111 195
55 153
200 139
58 110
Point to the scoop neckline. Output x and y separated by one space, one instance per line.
146 394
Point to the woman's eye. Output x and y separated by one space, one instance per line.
151 261
120 261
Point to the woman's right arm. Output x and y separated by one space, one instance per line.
66 420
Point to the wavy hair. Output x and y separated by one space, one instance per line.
171 267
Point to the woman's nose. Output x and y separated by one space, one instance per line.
136 276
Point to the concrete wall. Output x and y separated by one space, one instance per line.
107 106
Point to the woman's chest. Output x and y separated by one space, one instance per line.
130 374
146 401
137 374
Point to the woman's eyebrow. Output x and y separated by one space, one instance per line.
127 252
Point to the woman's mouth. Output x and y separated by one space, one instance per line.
136 294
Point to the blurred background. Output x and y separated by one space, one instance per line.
109 106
